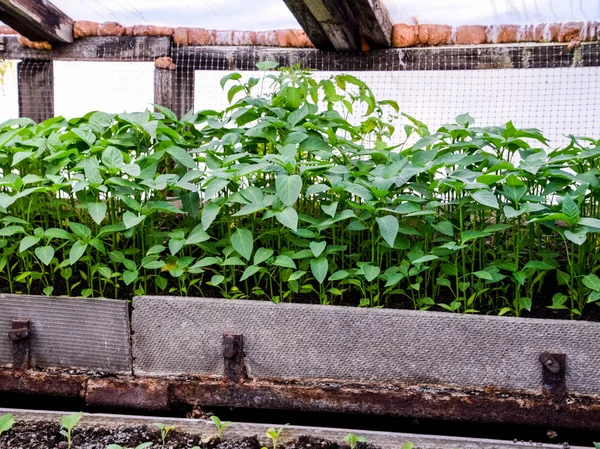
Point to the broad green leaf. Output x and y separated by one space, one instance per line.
570 210
55 233
592 282
538 265
261 255
27 242
197 235
182 157
97 211
317 248
130 276
250 271
578 237
9 231
486 198
284 261
288 188
214 187
45 254
77 250
243 242
370 272
444 227
217 279
131 220
70 421
112 158
483 275
319 268
388 227
426 258
6 423
209 214
296 275
339 275
267 65
288 217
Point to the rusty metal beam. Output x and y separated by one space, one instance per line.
419 401
38 20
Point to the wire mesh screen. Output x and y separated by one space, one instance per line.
545 86
553 90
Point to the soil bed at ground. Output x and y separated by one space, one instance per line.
46 435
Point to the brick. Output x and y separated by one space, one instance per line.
165 62
570 31
471 35
111 29
404 35
267 38
85 28
152 30
198 36
546 32
180 36
38 45
244 38
435 34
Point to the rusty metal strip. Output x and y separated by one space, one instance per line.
419 401
233 357
554 386
19 335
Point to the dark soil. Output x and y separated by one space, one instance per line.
47 436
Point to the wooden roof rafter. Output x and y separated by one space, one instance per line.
340 24
37 20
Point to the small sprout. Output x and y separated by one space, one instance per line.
220 425
274 434
409 445
68 423
6 423
164 430
353 440
140 446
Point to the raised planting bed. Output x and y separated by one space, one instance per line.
97 431
198 352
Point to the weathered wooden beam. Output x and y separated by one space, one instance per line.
38 20
504 56
374 22
35 81
332 18
174 89
101 48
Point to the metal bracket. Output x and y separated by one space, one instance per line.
19 335
233 357
553 379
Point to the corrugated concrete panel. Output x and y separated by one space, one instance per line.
184 336
90 334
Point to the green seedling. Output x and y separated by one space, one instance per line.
274 434
68 423
353 440
220 425
139 446
409 445
6 423
164 430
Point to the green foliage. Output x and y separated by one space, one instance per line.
353 440
285 195
68 423
274 434
220 425
164 430
6 423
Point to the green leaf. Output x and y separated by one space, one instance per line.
11 230
70 421
131 220
444 227
538 265
317 248
427 258
483 275
319 268
288 188
27 242
370 272
130 276
217 279
45 254
267 65
77 250
339 275
97 211
592 282
261 255
388 227
578 237
570 210
284 261
182 157
214 187
197 235
250 271
6 423
242 242
288 217
112 158
486 198
209 214
296 275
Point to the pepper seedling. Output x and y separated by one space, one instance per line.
68 423
164 430
274 434
6 423
139 446
220 425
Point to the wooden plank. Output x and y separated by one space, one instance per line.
374 22
506 56
333 17
36 89
174 89
100 48
38 20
